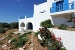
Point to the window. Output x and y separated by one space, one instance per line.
43 11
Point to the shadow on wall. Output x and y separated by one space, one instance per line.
61 20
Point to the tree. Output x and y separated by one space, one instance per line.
70 18
4 25
14 25
7 25
2 30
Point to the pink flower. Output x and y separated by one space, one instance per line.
53 36
59 39
39 28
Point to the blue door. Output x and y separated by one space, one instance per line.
59 6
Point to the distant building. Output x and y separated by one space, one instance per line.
52 9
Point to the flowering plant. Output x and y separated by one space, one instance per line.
50 40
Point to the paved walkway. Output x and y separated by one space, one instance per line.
19 32
31 45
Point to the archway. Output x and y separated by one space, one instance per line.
29 26
22 25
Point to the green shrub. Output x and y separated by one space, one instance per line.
21 40
62 26
46 23
14 40
2 30
49 26
29 32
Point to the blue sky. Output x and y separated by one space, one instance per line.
10 10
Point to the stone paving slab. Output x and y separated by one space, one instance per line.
21 49
31 44
19 32
31 48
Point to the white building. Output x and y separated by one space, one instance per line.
52 9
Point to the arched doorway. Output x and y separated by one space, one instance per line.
29 26
22 25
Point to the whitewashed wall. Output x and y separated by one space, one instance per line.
26 21
68 37
40 7
20 21
39 17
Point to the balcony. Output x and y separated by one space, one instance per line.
58 0
63 7
27 16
